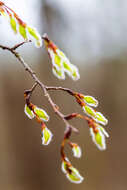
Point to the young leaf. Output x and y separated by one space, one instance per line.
35 36
71 70
74 175
91 101
98 138
22 31
25 31
13 24
63 167
46 136
29 112
41 114
61 54
104 131
67 68
76 150
56 60
58 73
75 73
60 62
65 164
71 173
99 118
89 111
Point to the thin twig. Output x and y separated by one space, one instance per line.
20 44
60 88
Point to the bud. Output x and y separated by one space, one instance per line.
72 173
75 73
41 114
69 68
29 112
89 111
76 150
60 62
13 24
57 66
65 164
34 36
91 101
46 136
58 73
98 138
56 60
22 31
104 131
99 118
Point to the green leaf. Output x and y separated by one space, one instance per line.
71 70
46 136
89 111
64 167
67 67
71 173
76 150
22 31
91 101
75 73
60 62
41 114
103 131
61 54
29 112
99 118
13 24
35 36
56 59
98 138
58 73
74 175
65 164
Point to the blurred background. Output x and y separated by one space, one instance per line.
92 33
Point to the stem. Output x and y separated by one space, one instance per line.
60 88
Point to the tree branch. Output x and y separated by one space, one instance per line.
43 87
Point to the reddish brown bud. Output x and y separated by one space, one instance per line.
71 116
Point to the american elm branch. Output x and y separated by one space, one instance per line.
43 87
